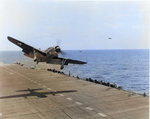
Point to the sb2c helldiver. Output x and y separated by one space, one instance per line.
49 56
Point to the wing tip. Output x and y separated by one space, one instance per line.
82 62
9 38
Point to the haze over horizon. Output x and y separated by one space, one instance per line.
79 25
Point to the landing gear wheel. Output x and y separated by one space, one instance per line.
62 64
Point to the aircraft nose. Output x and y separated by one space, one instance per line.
57 49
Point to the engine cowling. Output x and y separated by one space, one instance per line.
57 49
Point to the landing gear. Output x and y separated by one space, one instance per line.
36 64
35 56
62 64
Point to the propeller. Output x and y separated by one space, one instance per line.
58 42
58 49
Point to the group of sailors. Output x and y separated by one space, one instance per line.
55 71
18 63
113 85
105 83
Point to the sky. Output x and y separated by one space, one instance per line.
76 25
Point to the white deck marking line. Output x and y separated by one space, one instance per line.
61 95
122 111
89 108
101 114
78 103
68 98
12 71
49 88
0 114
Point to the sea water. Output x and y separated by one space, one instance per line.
128 68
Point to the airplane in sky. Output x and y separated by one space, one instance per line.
50 56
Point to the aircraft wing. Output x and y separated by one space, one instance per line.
26 48
70 61
59 60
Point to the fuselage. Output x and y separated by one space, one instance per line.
50 53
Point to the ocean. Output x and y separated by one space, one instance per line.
128 68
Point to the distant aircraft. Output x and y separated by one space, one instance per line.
109 38
49 56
